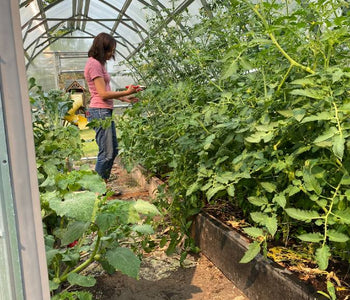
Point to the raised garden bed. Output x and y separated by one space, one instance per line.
260 279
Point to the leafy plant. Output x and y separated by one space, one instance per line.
250 105
80 225
56 144
80 221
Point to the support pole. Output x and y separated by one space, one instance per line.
22 237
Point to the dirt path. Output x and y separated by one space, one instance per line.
161 276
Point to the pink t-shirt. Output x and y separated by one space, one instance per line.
94 69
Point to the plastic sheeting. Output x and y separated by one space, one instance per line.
51 26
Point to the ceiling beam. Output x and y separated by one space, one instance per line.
121 14
170 18
86 13
124 23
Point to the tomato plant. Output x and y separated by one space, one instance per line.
251 104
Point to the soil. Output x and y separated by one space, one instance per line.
161 276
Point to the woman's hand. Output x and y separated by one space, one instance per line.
129 99
132 89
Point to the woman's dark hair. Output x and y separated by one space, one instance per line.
102 44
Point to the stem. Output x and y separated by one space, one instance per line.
202 125
328 213
85 263
285 77
337 117
272 37
264 78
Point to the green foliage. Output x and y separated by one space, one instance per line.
78 220
251 105
73 296
56 144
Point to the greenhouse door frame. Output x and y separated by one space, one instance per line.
22 253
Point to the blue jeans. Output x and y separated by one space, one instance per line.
106 140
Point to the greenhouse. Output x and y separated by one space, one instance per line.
181 149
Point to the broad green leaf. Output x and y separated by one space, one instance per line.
124 211
48 182
208 141
93 183
331 290
193 188
125 261
74 232
311 237
146 208
302 215
311 183
345 107
258 201
322 257
338 146
343 215
292 190
269 186
105 220
78 206
323 116
253 231
345 180
258 136
280 199
251 253
304 81
321 202
299 114
255 137
286 113
267 127
259 217
77 279
246 65
143 229
207 186
271 225
310 93
84 296
336 236
53 285
224 177
231 190
51 254
326 135
214 190
337 75
232 69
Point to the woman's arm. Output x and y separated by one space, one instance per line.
101 90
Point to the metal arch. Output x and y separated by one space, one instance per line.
80 18
86 12
170 18
50 39
119 11
75 23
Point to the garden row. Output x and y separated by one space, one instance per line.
250 105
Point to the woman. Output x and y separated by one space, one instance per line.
101 103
